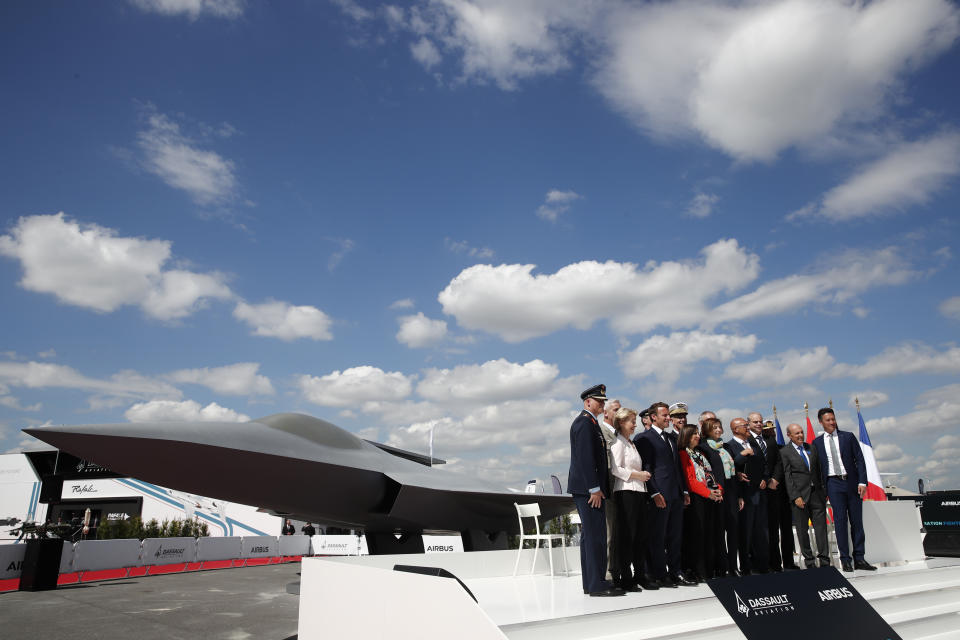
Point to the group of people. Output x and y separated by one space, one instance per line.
666 503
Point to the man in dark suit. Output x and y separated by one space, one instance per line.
844 474
779 515
589 484
750 464
658 450
804 486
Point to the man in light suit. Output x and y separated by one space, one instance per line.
750 464
844 474
658 450
589 484
801 474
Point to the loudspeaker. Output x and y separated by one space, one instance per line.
41 564
433 571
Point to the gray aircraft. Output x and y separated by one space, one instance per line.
302 466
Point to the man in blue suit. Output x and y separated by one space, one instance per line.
845 477
658 451
750 463
589 483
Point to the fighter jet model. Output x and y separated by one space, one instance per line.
297 464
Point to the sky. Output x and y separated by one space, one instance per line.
455 215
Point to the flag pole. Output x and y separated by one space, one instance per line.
806 413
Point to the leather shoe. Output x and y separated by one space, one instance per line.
846 566
649 584
863 565
683 581
733 573
668 581
607 593
791 567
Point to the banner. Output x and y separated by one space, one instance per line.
169 550
87 489
800 605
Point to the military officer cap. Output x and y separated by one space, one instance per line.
678 409
599 392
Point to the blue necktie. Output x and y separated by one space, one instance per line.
803 454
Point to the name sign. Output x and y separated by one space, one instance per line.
799 605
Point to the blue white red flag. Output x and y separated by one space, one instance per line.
874 483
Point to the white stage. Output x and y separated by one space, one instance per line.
363 597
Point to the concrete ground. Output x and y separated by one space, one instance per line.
224 604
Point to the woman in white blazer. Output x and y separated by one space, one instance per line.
630 495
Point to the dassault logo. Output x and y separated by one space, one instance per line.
169 551
764 605
834 594
82 488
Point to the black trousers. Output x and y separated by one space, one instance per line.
779 528
731 524
631 536
753 542
700 530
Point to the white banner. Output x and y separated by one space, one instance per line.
259 547
95 489
294 545
169 550
11 560
93 555
332 545
218 548
442 544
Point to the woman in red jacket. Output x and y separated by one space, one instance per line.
698 518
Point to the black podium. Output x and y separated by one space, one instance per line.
41 564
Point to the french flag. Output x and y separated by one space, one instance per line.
874 484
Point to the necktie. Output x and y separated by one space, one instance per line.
666 438
803 454
834 453
763 446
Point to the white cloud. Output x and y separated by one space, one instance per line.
782 368
91 266
346 246
836 281
512 302
491 382
176 159
193 9
905 359
355 386
758 78
950 308
282 320
557 203
425 52
702 205
354 10
181 411
935 412
668 357
419 331
239 379
462 246
42 375
496 40
405 303
910 174
869 399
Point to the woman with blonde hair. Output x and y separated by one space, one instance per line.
630 495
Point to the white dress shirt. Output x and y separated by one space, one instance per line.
626 459
834 467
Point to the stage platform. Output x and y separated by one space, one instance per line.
921 600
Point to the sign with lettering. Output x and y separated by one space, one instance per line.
95 489
442 544
798 605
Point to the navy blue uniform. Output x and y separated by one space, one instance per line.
588 471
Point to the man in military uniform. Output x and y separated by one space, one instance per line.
589 483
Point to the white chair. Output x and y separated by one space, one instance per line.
533 511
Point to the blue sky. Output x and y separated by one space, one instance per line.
458 214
